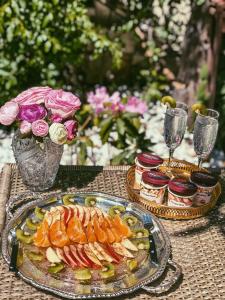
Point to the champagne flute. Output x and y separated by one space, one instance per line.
205 133
174 128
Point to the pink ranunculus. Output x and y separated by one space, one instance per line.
25 127
71 127
35 95
136 105
8 113
56 119
98 98
32 112
40 128
63 104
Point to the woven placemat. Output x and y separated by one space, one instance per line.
197 245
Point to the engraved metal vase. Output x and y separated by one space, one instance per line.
38 162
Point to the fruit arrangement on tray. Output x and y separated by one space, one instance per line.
83 242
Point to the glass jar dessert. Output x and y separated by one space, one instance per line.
181 192
144 162
205 183
153 186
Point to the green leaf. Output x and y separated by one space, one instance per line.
106 126
119 159
120 126
136 122
130 128
82 154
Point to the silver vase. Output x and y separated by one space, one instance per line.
38 162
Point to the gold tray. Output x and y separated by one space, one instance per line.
179 168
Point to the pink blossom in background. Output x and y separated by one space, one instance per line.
31 112
71 127
115 98
136 105
8 113
40 128
35 95
56 119
98 98
63 104
117 107
25 127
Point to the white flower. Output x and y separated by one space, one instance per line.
58 133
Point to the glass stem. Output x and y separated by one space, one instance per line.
199 162
170 156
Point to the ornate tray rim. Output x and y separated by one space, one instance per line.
40 199
164 211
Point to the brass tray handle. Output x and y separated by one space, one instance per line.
166 285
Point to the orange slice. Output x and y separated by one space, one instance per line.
41 238
121 227
58 234
75 231
99 232
90 233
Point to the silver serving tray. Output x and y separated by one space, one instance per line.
148 273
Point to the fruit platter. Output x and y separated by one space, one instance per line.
87 245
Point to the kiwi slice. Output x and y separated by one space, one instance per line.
140 233
24 237
20 259
90 201
39 212
130 220
199 108
115 210
132 264
83 275
36 256
108 271
32 224
68 199
56 268
168 100
142 244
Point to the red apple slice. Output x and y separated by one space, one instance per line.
87 215
81 215
91 256
76 256
116 257
101 250
70 257
48 217
84 257
62 256
99 212
96 252
120 249
69 213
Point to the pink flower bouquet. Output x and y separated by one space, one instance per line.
41 112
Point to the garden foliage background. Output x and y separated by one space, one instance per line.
144 49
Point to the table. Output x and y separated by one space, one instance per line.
197 245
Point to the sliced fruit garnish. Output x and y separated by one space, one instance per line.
68 199
168 100
24 237
130 220
70 257
142 244
107 272
99 232
80 213
62 256
105 255
90 201
41 238
116 210
32 224
35 255
97 253
52 256
90 233
199 108
76 255
83 256
122 228
116 257
91 255
75 231
110 236
120 249
39 212
68 214
140 233
82 274
20 257
129 245
56 268
87 216
58 235
132 264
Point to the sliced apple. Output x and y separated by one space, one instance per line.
48 218
116 257
81 214
93 212
83 256
91 255
98 254
51 255
129 245
56 215
87 217
70 257
75 253
105 255
62 256
98 212
120 249
68 213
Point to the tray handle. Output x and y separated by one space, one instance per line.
168 284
